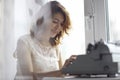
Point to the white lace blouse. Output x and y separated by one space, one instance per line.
33 56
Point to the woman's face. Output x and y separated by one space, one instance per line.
56 25
51 27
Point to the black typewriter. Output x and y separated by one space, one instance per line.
96 61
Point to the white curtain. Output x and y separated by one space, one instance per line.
7 40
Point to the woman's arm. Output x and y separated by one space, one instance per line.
56 73
24 61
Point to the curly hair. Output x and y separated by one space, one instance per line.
55 7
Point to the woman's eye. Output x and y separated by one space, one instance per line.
55 21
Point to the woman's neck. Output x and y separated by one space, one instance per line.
43 40
42 36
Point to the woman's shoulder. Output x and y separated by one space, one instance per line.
24 39
22 43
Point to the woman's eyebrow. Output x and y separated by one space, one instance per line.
58 20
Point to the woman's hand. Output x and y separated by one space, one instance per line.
70 60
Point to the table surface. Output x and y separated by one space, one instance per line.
73 78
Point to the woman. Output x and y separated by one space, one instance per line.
37 54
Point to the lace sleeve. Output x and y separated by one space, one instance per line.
23 55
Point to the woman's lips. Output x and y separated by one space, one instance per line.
54 31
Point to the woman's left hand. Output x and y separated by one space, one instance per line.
70 60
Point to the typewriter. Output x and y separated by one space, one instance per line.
96 61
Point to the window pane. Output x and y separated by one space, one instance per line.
114 20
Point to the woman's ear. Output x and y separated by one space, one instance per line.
40 21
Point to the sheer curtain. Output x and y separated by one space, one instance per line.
7 39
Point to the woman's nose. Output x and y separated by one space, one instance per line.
58 26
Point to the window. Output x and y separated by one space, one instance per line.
114 29
114 21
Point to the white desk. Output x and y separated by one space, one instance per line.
69 78
92 78
81 79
